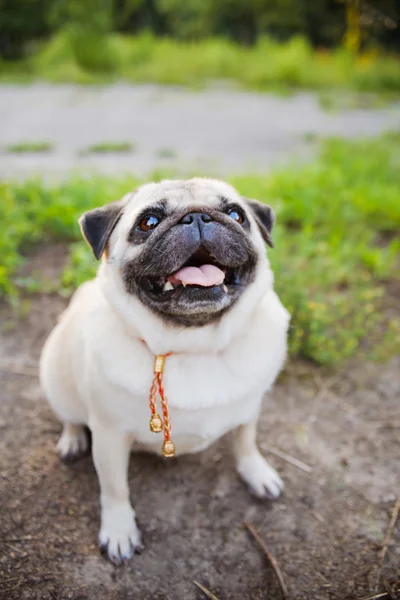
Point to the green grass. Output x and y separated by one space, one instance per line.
336 239
268 65
310 137
166 153
29 147
331 100
110 147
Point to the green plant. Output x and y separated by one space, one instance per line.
83 56
110 147
29 147
81 267
166 153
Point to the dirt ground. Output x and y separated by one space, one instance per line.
326 532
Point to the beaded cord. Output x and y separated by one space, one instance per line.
156 423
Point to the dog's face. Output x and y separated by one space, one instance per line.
187 249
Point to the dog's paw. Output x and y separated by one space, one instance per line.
261 478
73 443
119 536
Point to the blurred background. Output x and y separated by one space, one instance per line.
324 24
297 104
343 50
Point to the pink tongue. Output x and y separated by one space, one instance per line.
206 276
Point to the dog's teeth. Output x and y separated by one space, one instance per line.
225 289
168 287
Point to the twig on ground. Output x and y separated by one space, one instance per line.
318 516
324 386
18 369
325 391
205 591
323 579
79 587
23 538
15 549
269 556
345 406
290 459
393 519
377 596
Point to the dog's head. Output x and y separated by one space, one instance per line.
187 249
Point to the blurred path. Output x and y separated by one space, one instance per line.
211 131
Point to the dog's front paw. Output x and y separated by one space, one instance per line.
119 536
261 478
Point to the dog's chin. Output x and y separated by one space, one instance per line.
192 305
189 306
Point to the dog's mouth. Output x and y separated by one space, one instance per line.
192 289
201 272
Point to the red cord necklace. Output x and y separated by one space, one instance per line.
156 423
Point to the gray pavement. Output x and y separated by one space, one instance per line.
214 131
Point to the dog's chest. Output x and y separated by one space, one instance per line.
208 394
191 382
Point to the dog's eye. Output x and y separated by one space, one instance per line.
148 223
236 215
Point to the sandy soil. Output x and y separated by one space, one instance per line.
326 532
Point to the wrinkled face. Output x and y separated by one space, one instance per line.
187 249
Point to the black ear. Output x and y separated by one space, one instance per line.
265 218
98 224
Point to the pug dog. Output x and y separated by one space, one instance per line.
184 275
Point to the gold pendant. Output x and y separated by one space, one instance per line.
168 449
155 423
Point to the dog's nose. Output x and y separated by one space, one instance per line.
196 217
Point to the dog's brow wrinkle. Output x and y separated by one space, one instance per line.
224 201
189 189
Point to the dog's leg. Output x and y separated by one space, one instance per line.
119 535
262 479
73 443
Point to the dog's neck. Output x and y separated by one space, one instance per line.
161 337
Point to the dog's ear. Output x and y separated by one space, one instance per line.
98 224
264 216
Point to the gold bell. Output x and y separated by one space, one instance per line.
168 448
155 423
